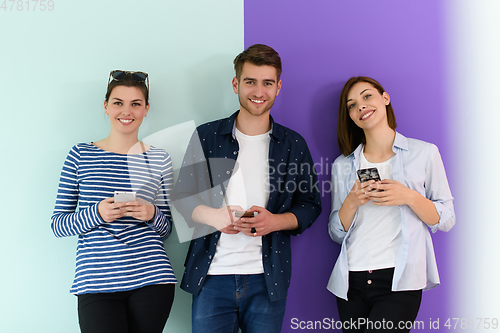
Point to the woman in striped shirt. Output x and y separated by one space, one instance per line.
123 279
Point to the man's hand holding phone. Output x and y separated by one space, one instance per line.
246 214
220 218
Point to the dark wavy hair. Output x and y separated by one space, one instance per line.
349 135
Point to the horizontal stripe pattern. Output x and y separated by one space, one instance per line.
127 253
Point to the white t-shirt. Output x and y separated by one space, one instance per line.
376 238
248 186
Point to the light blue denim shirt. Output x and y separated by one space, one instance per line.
417 165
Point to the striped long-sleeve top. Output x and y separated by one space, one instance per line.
127 253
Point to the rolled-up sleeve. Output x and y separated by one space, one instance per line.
438 191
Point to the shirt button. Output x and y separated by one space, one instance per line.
210 257
369 281
227 172
235 152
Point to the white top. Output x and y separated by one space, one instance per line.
375 241
248 186
417 165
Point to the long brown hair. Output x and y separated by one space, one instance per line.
349 135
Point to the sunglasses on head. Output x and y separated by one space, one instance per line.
119 75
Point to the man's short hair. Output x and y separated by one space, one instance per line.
260 55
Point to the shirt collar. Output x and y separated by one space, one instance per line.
228 127
400 141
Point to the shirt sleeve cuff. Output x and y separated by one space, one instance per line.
446 220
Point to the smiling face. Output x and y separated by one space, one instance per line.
257 88
126 108
366 106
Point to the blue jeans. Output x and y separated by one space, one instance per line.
229 302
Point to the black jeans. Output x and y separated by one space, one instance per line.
142 310
373 307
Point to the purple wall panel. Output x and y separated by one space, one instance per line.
322 43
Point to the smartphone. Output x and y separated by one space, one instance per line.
369 174
240 214
124 196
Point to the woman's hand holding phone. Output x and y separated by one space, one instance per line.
391 193
140 209
109 210
358 195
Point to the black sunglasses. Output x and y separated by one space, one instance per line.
119 75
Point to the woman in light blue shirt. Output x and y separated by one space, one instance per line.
387 256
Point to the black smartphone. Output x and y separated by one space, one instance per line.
368 174
365 175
